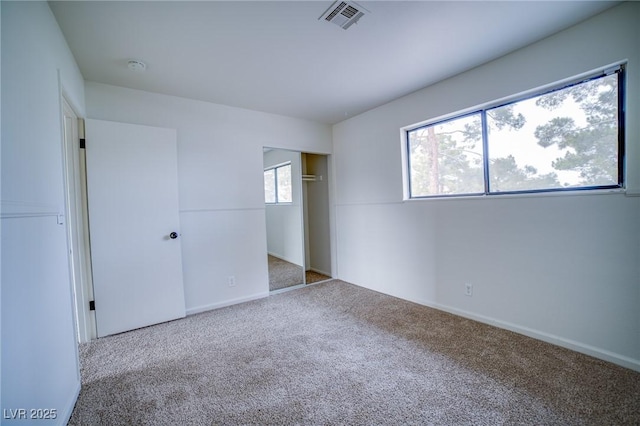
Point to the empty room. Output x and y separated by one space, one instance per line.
318 212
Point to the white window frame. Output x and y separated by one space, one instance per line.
618 68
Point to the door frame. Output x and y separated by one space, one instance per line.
77 224
306 263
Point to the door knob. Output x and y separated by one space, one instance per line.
173 235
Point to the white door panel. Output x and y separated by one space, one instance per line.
133 208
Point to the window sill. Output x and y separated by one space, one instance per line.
498 196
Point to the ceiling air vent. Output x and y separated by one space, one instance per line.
344 13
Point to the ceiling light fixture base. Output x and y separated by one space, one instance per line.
136 65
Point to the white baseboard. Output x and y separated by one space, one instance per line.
281 257
204 308
65 415
593 351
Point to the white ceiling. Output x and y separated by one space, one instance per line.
278 57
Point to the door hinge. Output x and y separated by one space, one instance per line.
92 305
82 143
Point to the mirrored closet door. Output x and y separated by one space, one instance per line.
283 209
297 218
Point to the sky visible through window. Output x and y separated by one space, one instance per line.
527 152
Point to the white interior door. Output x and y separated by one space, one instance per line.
133 211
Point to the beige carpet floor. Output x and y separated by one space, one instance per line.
283 274
335 353
315 277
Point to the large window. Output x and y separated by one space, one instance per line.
566 139
277 184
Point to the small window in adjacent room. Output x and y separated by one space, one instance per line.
283 180
277 184
270 186
568 138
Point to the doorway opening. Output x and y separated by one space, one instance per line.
315 196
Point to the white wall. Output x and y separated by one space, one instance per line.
39 349
284 221
221 183
561 268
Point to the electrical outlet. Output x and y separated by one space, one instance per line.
231 280
468 289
